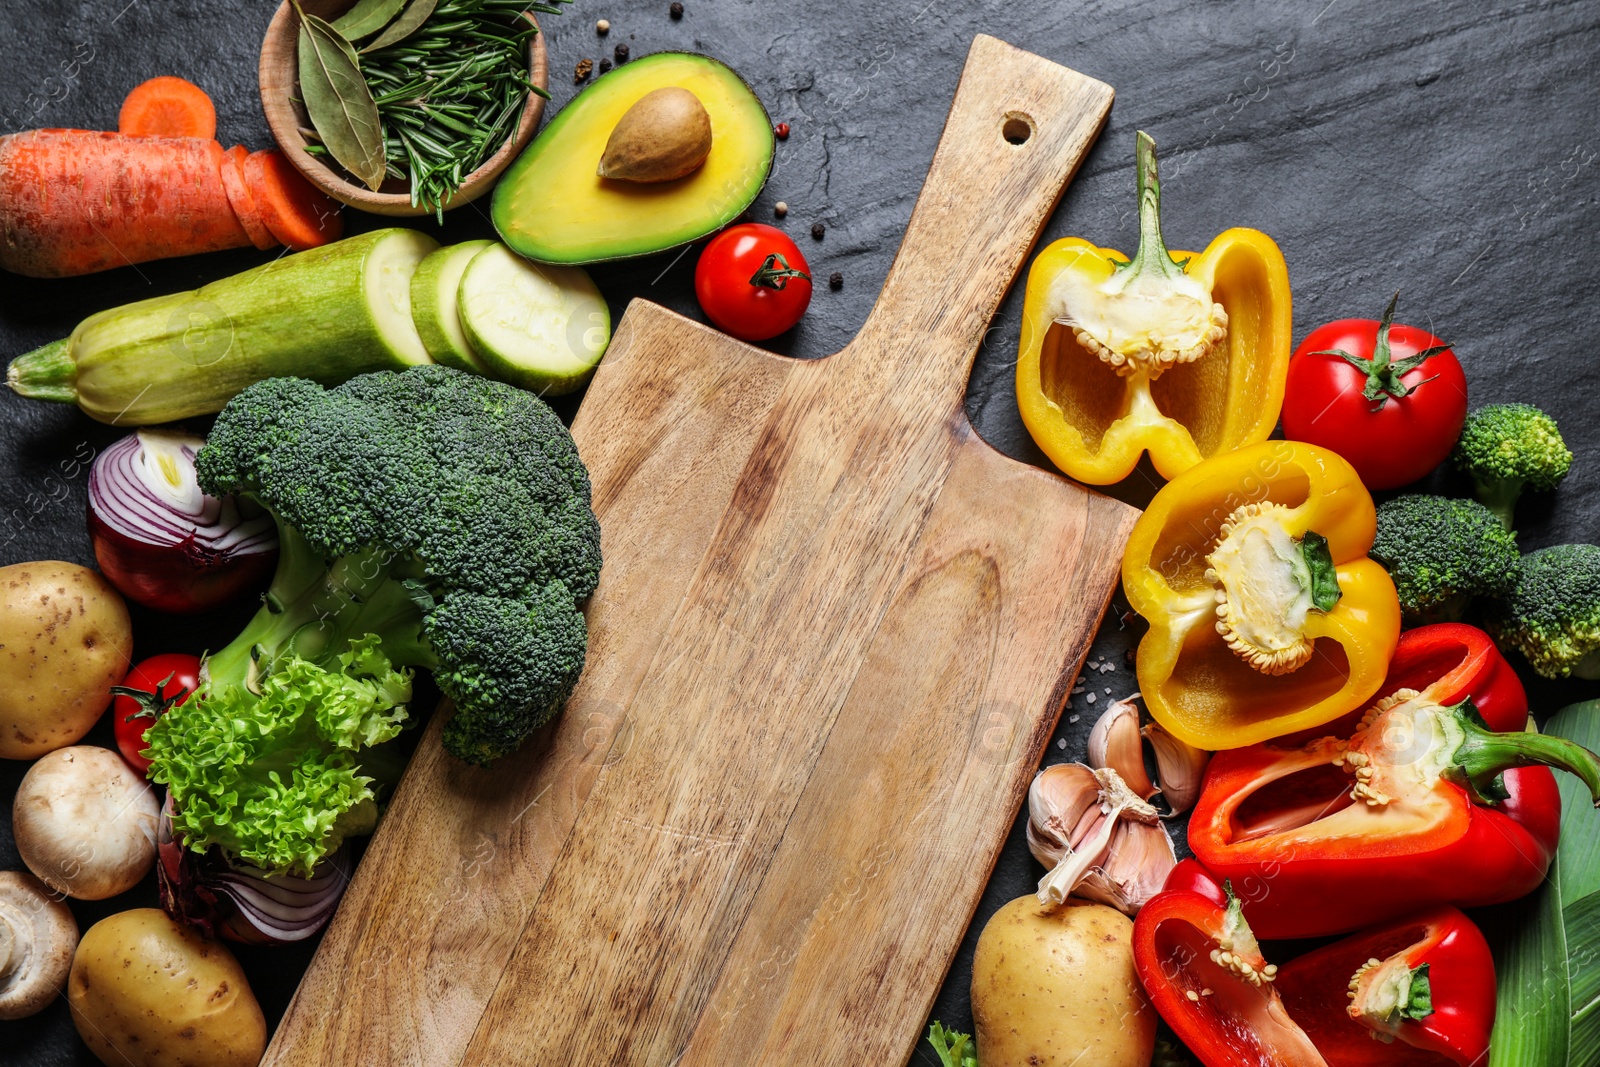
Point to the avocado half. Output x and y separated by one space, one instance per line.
551 206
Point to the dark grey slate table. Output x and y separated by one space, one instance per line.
1447 150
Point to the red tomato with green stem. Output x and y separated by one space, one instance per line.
152 687
752 282
1389 398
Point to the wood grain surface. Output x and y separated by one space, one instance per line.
833 632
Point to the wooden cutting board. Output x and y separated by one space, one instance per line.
833 633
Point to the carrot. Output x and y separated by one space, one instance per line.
295 211
167 107
75 202
241 198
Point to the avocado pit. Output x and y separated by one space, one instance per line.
666 135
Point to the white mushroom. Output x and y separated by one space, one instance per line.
37 939
85 823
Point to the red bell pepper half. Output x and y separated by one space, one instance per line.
1417 992
1205 974
1422 804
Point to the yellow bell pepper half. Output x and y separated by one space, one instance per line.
1121 356
1249 639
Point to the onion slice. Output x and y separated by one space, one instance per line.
162 541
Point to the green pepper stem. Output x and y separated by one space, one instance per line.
1152 253
1484 754
46 373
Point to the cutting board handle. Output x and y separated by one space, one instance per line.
1018 129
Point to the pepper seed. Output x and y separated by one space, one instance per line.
817 230
621 54
780 209
581 71
602 27
676 10
836 282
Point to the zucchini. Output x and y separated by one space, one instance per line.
326 314
535 325
434 308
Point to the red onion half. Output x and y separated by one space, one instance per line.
160 540
243 903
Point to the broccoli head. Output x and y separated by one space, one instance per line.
1552 615
426 519
1442 553
1508 447
444 512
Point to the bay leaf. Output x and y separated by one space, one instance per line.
410 21
367 18
338 100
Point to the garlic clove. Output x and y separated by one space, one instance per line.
1115 743
1133 869
1059 799
1180 766
1064 879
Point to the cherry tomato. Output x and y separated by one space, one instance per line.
1389 398
752 281
160 682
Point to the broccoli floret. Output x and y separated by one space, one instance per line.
1552 615
1441 553
443 512
1508 447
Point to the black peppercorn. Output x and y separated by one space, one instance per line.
676 11
836 281
817 230
605 65
621 53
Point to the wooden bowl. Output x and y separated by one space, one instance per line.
286 117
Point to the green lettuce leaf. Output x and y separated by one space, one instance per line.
952 1048
276 779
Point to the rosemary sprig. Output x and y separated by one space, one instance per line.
451 93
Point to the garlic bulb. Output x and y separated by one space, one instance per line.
1100 840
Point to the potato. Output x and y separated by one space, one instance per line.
1053 987
65 640
147 991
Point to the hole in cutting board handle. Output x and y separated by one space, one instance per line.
1017 128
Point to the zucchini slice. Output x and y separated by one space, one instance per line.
434 289
538 326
